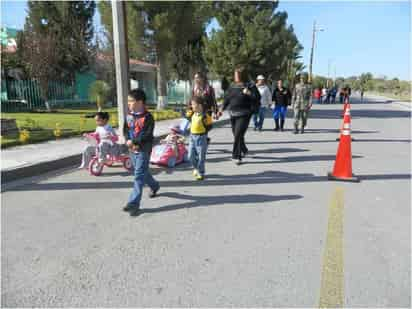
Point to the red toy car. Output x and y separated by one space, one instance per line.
165 155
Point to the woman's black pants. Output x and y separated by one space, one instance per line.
239 128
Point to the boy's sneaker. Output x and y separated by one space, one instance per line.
135 212
153 193
200 177
195 173
128 207
238 162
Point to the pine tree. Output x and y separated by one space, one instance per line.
70 23
253 35
169 35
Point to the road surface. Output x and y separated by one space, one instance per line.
272 232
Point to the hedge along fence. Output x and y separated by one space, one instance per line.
25 95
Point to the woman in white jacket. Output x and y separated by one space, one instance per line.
265 102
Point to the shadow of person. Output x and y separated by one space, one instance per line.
206 201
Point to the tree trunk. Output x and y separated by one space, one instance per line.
161 82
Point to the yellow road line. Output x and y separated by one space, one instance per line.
332 284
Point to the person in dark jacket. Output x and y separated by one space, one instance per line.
282 98
138 130
242 100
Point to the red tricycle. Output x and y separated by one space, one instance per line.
116 156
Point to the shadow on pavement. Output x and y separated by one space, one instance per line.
270 160
371 140
357 114
269 177
205 201
337 131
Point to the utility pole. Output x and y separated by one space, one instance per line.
121 59
312 50
329 73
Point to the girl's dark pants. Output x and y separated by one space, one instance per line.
239 128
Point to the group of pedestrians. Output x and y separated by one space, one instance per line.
324 95
243 99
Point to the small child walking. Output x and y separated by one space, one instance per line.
138 130
200 124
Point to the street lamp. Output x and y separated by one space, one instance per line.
313 47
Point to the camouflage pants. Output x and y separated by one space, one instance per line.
301 115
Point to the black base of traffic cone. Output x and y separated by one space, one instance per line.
350 179
352 139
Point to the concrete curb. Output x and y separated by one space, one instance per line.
65 162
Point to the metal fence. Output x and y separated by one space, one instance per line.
24 95
19 95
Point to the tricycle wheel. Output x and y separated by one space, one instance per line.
95 168
127 163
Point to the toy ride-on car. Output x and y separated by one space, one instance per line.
165 155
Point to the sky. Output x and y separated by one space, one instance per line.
358 36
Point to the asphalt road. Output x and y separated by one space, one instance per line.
272 232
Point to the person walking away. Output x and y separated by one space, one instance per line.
328 95
361 95
317 95
242 100
139 127
324 94
302 102
225 85
265 102
334 91
282 98
342 95
200 123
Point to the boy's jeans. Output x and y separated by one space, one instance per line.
197 151
142 176
259 118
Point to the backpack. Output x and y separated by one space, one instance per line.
207 126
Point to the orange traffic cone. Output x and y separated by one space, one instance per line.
343 163
346 104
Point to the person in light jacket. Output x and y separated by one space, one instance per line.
265 102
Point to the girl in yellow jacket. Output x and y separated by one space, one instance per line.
200 123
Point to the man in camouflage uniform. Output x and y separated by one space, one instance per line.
302 102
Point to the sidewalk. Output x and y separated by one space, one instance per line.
31 160
379 98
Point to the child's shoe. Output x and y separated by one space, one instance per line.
195 173
200 177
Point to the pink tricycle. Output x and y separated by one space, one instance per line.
166 154
115 156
